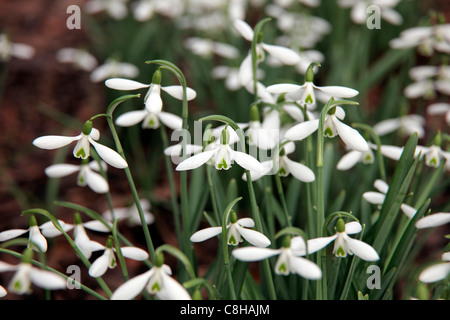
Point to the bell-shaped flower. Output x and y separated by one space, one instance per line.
266 134
360 8
343 244
289 258
36 239
116 9
153 101
87 174
108 258
79 58
438 109
378 197
352 157
85 139
405 125
113 68
238 230
26 274
10 49
332 127
428 81
433 220
436 272
222 156
131 214
158 280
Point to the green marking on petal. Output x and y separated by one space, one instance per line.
282 268
222 165
156 287
433 162
81 154
17 285
328 132
340 252
309 99
282 172
232 240
368 159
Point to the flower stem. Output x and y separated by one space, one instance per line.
282 199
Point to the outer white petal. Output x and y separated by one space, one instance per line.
22 51
96 225
386 126
99 266
305 268
61 170
246 161
254 253
438 108
48 229
7 267
46 279
196 160
246 222
338 91
391 152
244 29
53 142
362 249
302 130
172 290
374 197
349 160
283 88
318 243
131 118
300 171
96 182
177 92
134 253
109 155
353 227
124 84
38 239
358 13
11 234
130 289
381 186
408 210
245 71
153 103
285 55
416 89
433 220
350 136
171 120
435 273
254 237
205 234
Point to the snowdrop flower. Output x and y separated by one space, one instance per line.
406 125
131 214
36 239
150 119
26 274
87 174
436 272
360 10
440 108
78 57
157 281
265 134
153 101
222 156
237 232
10 49
108 258
351 158
116 9
426 39
85 139
283 54
433 220
113 68
343 244
378 198
332 127
427 81
306 94
289 259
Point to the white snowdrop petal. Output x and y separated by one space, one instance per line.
133 287
246 161
350 136
435 273
318 243
131 118
353 227
244 29
246 222
245 74
362 250
300 171
285 55
338 91
61 170
302 130
96 182
7 267
438 108
374 197
53 142
134 253
11 234
47 280
386 126
408 210
172 290
433 220
205 234
415 90
38 239
283 88
348 160
254 237
170 120
109 155
177 92
99 266
196 160
254 253
22 51
124 84
391 152
305 268
153 103
96 225
381 186
298 246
